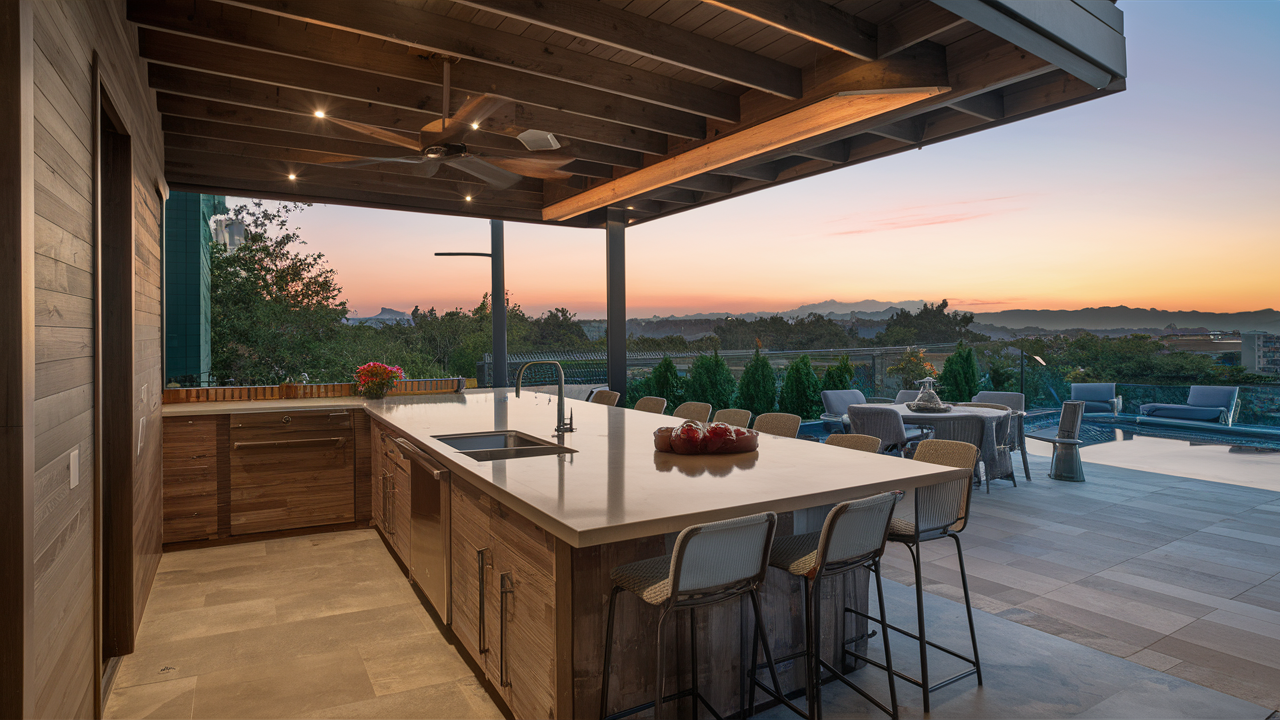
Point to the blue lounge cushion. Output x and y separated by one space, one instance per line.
1210 396
1180 412
1097 397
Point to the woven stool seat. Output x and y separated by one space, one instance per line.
902 529
797 554
649 579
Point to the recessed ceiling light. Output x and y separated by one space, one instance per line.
468 198
292 176
629 207
475 126
319 113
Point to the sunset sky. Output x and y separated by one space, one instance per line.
1166 195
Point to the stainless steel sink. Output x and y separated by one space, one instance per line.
501 445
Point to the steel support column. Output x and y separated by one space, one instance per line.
498 304
616 299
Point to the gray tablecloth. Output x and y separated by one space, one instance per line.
998 464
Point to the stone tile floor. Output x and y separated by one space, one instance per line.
1176 576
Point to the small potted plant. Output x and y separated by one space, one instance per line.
374 380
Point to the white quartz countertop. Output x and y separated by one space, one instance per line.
616 487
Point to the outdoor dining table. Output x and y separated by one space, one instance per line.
989 448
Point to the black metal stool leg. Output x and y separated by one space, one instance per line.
608 654
657 700
924 647
968 607
755 663
764 637
884 633
815 652
693 653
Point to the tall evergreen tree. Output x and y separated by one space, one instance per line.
711 381
757 391
958 381
667 382
801 391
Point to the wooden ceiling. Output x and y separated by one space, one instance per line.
661 105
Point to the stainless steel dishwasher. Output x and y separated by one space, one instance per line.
429 527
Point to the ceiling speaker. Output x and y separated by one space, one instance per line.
538 140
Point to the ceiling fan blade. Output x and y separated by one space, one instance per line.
473 112
496 177
539 167
378 133
375 161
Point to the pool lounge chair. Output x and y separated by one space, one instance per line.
1205 403
1097 397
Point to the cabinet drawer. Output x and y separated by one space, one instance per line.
265 426
189 485
298 478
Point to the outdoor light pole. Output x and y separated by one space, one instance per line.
497 299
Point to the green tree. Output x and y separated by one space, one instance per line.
557 330
958 381
711 381
801 390
839 376
275 310
758 389
911 367
931 324
667 382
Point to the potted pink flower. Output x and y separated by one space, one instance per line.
374 380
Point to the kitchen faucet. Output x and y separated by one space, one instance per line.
561 425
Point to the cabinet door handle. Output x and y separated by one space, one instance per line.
337 442
505 587
483 646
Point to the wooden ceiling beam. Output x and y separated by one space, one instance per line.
289 72
192 163
586 168
262 32
527 188
812 20
439 33
195 106
601 23
819 117
914 25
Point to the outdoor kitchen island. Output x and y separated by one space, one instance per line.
515 554
534 539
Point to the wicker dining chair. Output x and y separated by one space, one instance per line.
880 422
734 416
966 429
906 396
865 443
651 404
699 411
941 510
1017 403
777 423
605 397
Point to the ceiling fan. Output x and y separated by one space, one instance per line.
441 142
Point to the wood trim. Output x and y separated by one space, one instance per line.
826 115
812 20
17 357
270 535
115 239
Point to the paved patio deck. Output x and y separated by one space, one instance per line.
1181 575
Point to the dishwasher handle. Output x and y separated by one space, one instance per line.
425 461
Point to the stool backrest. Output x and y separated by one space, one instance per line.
651 404
1069 423
605 397
856 530
699 411
878 421
1015 401
734 416
782 424
945 505
853 441
721 555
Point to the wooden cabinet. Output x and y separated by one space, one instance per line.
190 485
392 505
504 599
291 470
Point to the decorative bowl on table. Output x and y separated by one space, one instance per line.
928 401
694 438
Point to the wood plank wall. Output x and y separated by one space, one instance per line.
66 36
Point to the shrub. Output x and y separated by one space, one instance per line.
757 391
801 390
638 385
667 382
838 376
959 379
912 367
710 381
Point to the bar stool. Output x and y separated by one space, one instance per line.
853 536
941 510
710 564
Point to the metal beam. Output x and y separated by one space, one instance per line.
498 303
616 300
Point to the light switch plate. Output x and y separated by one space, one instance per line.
75 467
